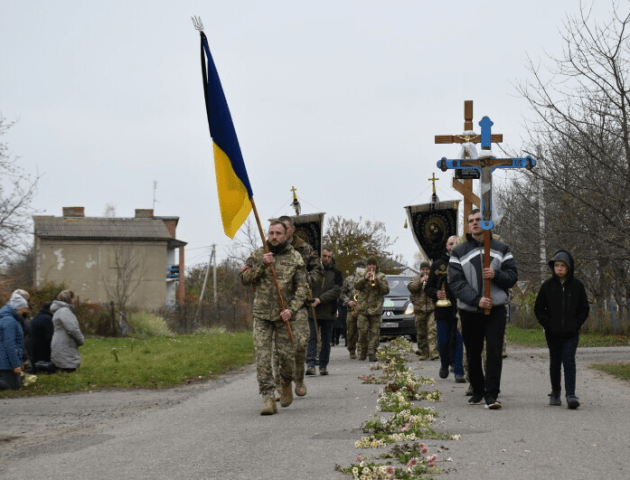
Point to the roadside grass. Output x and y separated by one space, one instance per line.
532 337
157 362
621 370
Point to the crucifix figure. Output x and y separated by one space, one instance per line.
485 164
462 181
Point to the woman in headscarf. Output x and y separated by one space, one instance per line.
67 337
12 342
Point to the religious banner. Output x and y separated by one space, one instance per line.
432 224
310 227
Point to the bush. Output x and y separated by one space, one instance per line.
143 323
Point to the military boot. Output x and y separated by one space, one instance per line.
286 397
269 406
300 389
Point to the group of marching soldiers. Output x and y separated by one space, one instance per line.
291 345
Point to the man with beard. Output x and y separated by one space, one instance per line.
269 319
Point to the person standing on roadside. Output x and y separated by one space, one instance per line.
483 317
562 308
269 318
325 295
347 297
372 288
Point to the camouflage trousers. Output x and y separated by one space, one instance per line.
369 332
301 332
352 332
426 334
266 332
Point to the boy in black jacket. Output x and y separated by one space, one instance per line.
562 308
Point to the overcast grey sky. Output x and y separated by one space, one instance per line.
340 99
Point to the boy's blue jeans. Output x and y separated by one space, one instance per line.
562 353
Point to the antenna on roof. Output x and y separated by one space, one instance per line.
154 191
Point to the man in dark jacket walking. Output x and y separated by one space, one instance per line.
325 295
466 278
562 308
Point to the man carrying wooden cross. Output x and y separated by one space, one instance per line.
481 271
467 275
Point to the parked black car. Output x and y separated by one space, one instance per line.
398 318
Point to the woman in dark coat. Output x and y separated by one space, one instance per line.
41 334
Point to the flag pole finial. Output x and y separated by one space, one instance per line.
198 24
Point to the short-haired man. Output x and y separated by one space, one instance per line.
423 307
466 279
325 295
268 318
314 272
348 293
372 287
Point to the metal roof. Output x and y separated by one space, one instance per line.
101 228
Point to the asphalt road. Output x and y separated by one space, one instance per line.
214 431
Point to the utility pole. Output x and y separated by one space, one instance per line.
154 192
541 219
214 272
205 281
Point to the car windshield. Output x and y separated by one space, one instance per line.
398 286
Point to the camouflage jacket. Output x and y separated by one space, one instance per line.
421 301
314 266
371 297
347 291
291 275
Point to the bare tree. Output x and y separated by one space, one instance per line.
110 210
353 240
127 272
581 186
17 191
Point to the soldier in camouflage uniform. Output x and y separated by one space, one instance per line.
347 299
371 287
426 328
268 317
301 329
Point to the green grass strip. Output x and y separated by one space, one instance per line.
158 362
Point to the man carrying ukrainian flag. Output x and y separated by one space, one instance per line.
272 316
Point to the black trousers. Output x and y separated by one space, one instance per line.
477 327
9 380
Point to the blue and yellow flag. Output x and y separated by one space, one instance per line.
232 181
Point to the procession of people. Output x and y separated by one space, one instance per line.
293 331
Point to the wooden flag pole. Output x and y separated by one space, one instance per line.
273 270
